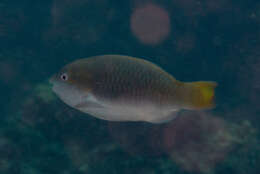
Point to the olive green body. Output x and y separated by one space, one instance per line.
119 78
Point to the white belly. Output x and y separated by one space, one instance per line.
124 111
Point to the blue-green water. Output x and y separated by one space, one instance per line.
193 40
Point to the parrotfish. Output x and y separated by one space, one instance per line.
124 88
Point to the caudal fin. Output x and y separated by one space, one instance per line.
202 94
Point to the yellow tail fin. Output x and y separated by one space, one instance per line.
203 94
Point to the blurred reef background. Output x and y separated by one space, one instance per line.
217 40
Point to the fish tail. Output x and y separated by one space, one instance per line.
202 95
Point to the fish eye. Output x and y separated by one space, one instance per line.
64 76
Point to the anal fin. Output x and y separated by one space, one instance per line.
173 115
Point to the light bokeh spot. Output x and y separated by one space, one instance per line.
150 24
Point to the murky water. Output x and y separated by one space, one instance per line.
192 40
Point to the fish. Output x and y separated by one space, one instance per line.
125 88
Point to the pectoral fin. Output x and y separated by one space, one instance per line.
89 102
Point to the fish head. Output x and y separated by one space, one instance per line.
71 84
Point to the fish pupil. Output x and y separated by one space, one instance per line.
64 77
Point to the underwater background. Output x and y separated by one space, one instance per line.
215 40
